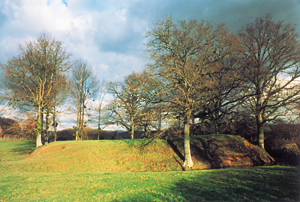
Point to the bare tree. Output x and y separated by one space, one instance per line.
29 76
85 87
225 95
99 108
60 92
132 103
184 56
271 59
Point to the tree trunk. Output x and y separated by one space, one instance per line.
54 123
39 128
188 163
99 121
54 109
132 128
260 130
159 120
78 118
217 128
82 120
47 125
259 119
132 131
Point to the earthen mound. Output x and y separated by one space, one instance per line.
220 151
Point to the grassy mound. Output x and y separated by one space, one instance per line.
213 151
99 156
220 151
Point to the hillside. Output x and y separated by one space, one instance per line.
221 151
215 151
87 171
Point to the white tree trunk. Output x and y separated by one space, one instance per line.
39 129
188 163
260 131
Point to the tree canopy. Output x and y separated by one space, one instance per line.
29 77
271 61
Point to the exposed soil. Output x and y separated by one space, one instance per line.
220 151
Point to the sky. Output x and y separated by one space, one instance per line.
110 34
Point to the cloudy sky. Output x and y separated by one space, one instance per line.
110 34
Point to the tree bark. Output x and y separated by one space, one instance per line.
54 123
132 130
78 117
82 119
47 125
99 120
259 119
217 129
188 163
260 130
39 128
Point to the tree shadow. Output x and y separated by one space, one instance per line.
251 184
175 149
24 147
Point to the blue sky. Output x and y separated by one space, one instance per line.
110 34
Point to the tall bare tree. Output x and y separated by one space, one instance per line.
86 86
29 76
132 103
271 59
99 108
60 92
184 55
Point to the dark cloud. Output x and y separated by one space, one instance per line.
235 13
126 43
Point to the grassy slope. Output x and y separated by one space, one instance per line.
98 156
54 172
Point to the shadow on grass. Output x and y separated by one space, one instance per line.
246 184
24 147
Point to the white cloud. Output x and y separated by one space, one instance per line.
33 16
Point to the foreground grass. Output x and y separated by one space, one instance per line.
235 184
28 180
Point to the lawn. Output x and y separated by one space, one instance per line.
15 150
23 179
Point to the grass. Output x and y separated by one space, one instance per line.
15 150
55 173
97 156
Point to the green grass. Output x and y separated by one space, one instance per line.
15 150
37 178
97 156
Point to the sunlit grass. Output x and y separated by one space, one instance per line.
98 156
70 171
237 184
